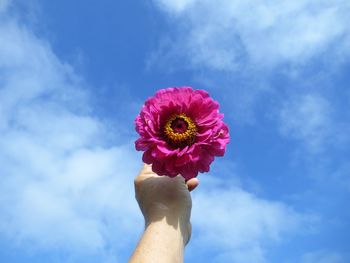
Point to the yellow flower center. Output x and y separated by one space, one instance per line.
180 130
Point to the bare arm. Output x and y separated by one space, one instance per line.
166 205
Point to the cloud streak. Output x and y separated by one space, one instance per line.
239 225
307 118
229 33
62 187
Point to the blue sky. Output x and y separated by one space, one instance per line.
74 74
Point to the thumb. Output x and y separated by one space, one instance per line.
192 184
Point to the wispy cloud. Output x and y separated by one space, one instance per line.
176 6
228 33
307 118
311 119
61 187
239 225
248 48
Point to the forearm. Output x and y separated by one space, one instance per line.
161 242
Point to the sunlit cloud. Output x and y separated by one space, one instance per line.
239 225
62 187
225 34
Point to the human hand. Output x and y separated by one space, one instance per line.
163 198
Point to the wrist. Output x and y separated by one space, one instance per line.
161 242
173 215
176 229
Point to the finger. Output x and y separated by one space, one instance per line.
146 172
192 184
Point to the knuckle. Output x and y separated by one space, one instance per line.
137 181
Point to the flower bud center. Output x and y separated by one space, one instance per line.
180 131
179 125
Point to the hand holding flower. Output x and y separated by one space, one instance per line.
163 197
181 132
166 206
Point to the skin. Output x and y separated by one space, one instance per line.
166 206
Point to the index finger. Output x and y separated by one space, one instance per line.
146 172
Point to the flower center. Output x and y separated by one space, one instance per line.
180 130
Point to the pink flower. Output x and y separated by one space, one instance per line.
181 132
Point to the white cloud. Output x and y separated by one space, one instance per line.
313 120
175 6
61 186
221 34
307 118
239 225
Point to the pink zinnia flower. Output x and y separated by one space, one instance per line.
181 132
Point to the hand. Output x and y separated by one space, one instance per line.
162 197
